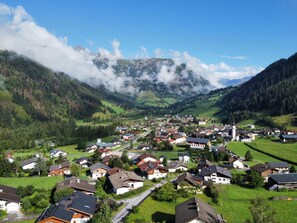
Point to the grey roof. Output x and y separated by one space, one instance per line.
28 161
175 164
284 178
77 184
57 211
9 194
197 140
192 179
273 165
97 166
195 209
291 136
208 170
120 179
84 203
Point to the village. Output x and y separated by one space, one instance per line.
167 159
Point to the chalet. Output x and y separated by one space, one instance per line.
114 170
152 170
176 166
91 147
9 200
9 157
125 181
184 157
77 184
238 164
29 164
143 147
61 169
288 137
56 153
188 182
271 168
216 174
98 170
104 152
121 129
195 210
78 207
146 157
203 163
198 143
280 181
83 162
128 136
202 122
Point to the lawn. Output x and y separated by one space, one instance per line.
240 149
234 205
39 182
74 153
286 151
25 221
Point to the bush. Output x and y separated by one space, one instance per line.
135 209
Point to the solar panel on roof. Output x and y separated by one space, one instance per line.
151 165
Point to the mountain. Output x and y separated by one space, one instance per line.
272 91
155 82
29 91
234 82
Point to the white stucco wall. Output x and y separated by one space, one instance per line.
29 166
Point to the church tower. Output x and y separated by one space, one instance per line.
233 132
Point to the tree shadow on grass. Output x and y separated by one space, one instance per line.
163 217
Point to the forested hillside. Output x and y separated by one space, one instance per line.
273 90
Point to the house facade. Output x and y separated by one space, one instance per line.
198 143
78 185
280 181
61 169
98 170
9 200
152 170
216 174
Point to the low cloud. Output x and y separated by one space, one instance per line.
234 57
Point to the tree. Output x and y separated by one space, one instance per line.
41 167
212 192
60 159
164 161
125 157
103 215
131 144
261 212
75 169
248 156
293 169
116 162
58 195
166 193
255 179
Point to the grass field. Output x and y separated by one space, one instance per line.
117 109
234 205
25 221
287 121
38 182
240 149
73 153
286 151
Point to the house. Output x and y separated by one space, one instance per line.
125 181
56 153
128 136
195 210
176 166
271 168
76 208
288 137
146 157
203 163
280 181
114 170
9 200
216 174
238 164
121 129
83 162
104 152
29 164
91 147
9 157
198 143
61 169
202 122
152 170
78 185
189 182
107 159
98 170
184 157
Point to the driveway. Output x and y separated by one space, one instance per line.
129 203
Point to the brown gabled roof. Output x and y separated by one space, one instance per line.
9 194
121 179
107 158
260 167
145 155
114 170
150 166
194 180
76 184
195 209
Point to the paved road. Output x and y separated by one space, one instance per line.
129 203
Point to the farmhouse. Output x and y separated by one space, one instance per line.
77 184
238 164
188 182
29 164
61 169
216 174
124 181
145 157
153 170
288 137
279 181
176 166
56 153
196 211
198 143
271 168
98 170
184 157
78 207
83 162
9 200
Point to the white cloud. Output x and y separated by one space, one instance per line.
91 42
234 57
158 53
142 53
